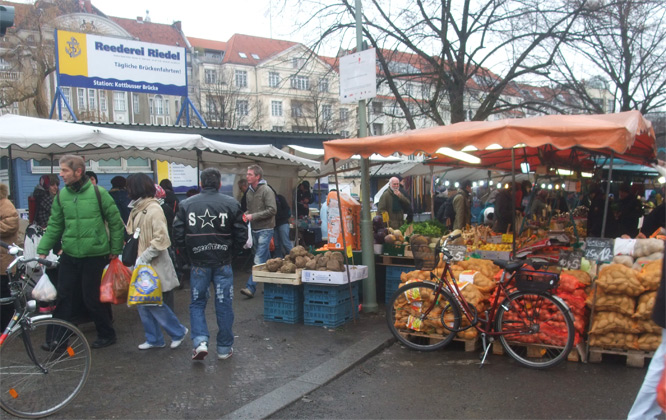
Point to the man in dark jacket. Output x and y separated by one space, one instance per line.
630 209
209 226
78 216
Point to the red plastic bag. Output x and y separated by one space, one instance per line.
271 246
115 283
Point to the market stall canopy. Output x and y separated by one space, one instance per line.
628 134
350 164
36 138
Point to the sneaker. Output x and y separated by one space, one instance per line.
176 343
226 356
200 352
247 292
147 345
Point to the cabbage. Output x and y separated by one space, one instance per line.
380 235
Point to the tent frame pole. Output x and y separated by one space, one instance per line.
610 177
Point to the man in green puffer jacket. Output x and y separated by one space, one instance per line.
78 217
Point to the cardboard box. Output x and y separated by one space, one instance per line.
261 276
356 273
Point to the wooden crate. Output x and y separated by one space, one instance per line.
576 354
260 276
635 358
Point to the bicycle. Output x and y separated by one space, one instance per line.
534 326
44 362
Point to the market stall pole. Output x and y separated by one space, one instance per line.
367 237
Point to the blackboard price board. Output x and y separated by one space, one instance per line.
570 259
458 252
599 249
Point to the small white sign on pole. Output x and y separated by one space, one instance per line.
358 76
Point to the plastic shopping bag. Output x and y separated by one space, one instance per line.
115 282
145 287
248 244
44 290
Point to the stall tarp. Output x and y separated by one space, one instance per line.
36 138
626 133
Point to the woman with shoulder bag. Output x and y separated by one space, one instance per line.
153 246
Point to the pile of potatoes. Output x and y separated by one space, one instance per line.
299 257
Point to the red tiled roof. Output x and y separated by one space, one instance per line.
334 62
157 33
264 48
207 44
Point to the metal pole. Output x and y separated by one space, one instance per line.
610 176
367 238
12 177
513 199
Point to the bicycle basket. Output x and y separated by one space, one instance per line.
536 281
425 258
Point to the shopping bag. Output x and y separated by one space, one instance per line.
145 287
44 290
248 244
115 283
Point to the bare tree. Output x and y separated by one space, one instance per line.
452 47
625 42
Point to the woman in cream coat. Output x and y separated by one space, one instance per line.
148 216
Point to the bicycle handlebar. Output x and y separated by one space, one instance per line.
47 263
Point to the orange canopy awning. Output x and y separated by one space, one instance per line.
625 133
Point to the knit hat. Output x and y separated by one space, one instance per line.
159 192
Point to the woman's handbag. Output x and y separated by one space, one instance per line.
131 249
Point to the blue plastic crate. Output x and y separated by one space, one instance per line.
328 295
284 292
393 271
391 287
329 316
281 311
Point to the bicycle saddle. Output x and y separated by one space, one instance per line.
510 266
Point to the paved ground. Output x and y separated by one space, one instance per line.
278 370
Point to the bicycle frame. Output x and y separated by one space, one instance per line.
500 293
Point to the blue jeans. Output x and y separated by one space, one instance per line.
223 280
153 317
282 243
646 406
261 240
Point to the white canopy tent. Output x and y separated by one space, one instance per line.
36 138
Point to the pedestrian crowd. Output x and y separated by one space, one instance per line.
194 240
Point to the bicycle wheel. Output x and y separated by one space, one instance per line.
27 390
407 319
535 329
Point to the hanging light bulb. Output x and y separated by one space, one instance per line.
474 184
447 183
543 186
491 182
550 186
457 184
481 183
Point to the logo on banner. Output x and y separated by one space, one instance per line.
73 48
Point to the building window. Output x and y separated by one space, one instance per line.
344 134
300 82
102 101
377 107
297 63
326 112
158 105
242 55
278 128
210 76
241 78
242 108
273 79
82 98
92 99
344 114
276 108
255 56
377 129
323 85
135 103
119 101
296 109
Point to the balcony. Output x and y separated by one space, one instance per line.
10 75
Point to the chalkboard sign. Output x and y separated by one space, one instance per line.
458 252
570 259
599 249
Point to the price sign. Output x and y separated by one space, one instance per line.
458 252
570 259
599 249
